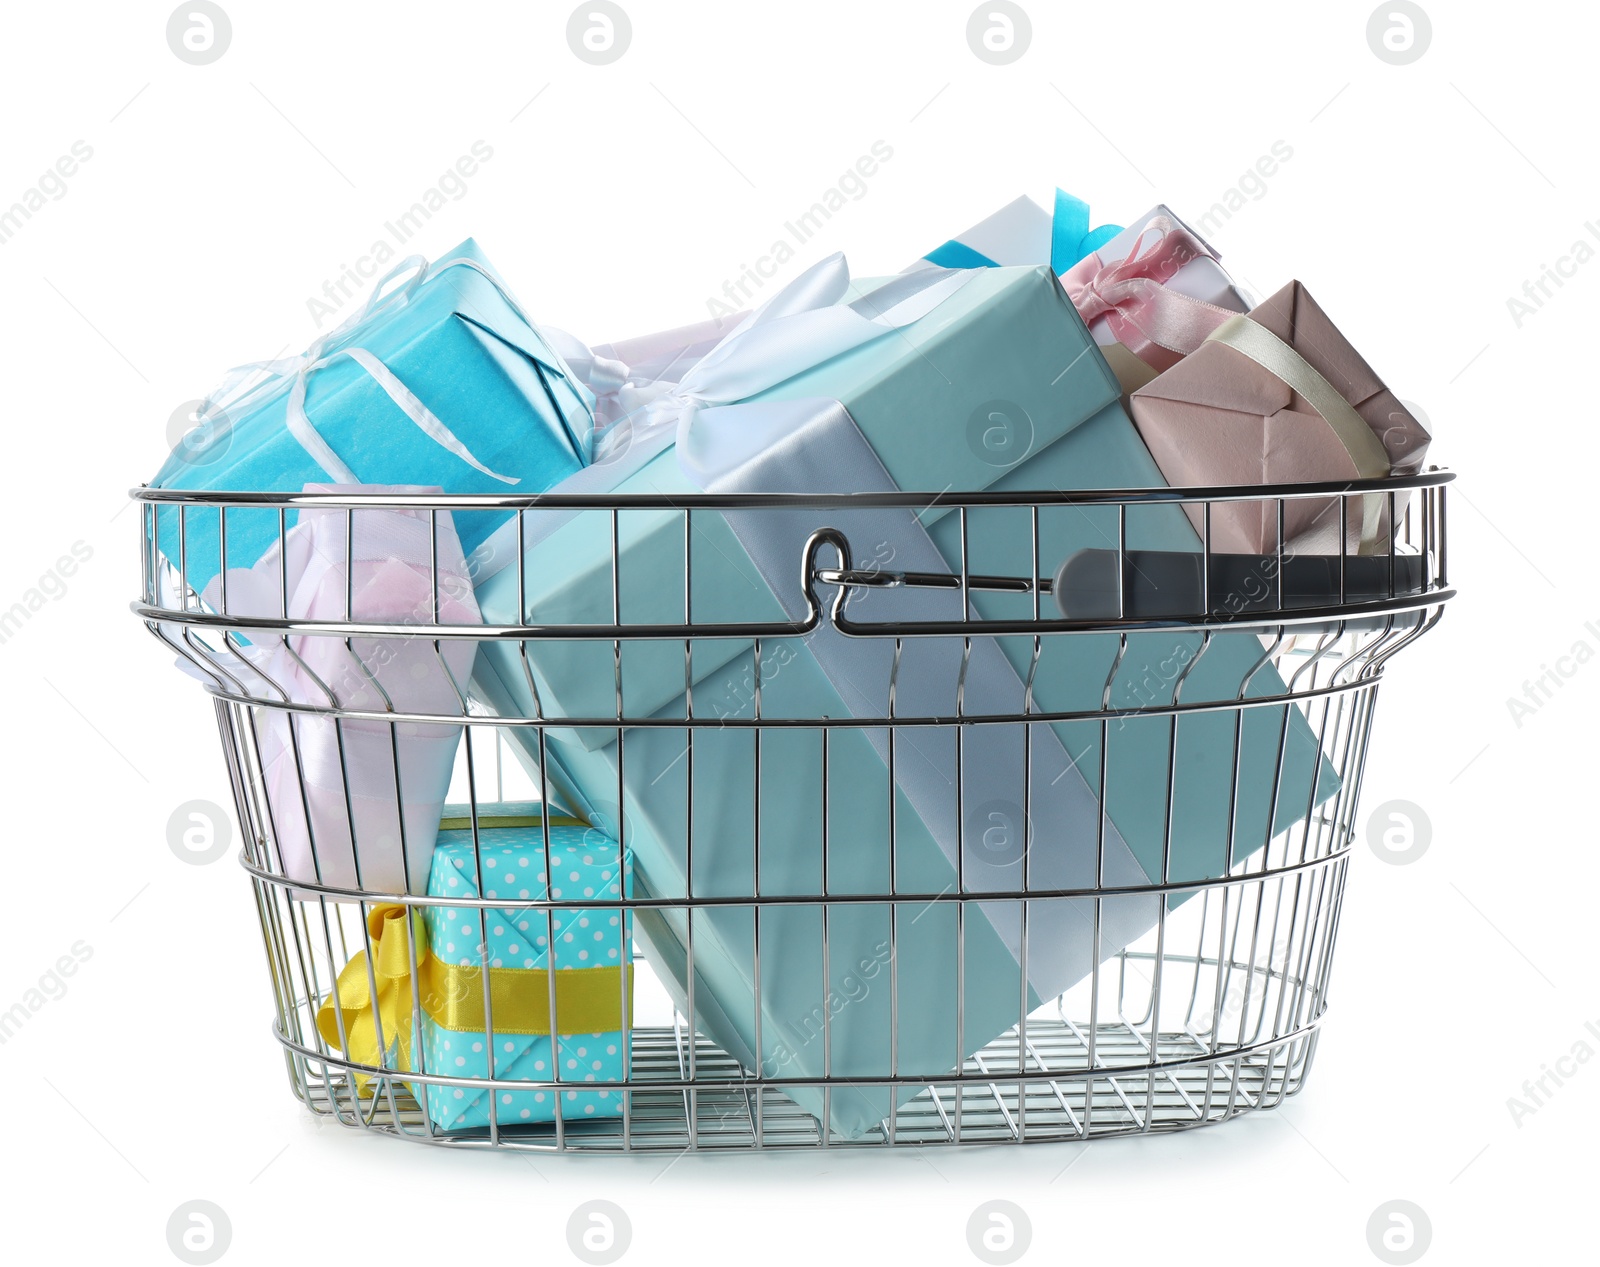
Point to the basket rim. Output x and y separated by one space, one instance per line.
1432 478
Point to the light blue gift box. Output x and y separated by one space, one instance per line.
462 348
999 387
585 863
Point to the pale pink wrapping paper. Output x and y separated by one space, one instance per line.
391 584
1217 417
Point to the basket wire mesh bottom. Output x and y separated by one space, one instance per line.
1194 1087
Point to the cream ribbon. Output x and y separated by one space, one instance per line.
1255 341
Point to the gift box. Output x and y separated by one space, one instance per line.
586 949
1003 373
1151 295
440 379
591 958
1280 397
352 803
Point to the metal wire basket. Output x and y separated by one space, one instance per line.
1201 1004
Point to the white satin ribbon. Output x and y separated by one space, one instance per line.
619 389
726 443
707 414
247 386
999 767
801 326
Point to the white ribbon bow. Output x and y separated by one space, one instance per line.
707 413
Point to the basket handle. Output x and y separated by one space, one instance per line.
841 577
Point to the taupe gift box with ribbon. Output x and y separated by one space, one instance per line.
1278 396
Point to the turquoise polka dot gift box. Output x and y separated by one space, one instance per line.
576 961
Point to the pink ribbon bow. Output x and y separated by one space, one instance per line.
1157 324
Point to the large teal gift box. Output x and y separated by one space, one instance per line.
998 387
439 381
589 949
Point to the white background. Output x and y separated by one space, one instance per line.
218 198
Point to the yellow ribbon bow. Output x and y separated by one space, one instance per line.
391 976
587 1001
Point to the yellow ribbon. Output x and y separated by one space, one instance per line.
485 821
388 971
587 1000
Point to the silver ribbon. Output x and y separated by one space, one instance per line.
727 443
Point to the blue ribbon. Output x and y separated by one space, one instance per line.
1071 239
955 254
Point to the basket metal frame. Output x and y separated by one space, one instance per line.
1255 946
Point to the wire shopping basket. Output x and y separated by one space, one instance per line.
982 817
